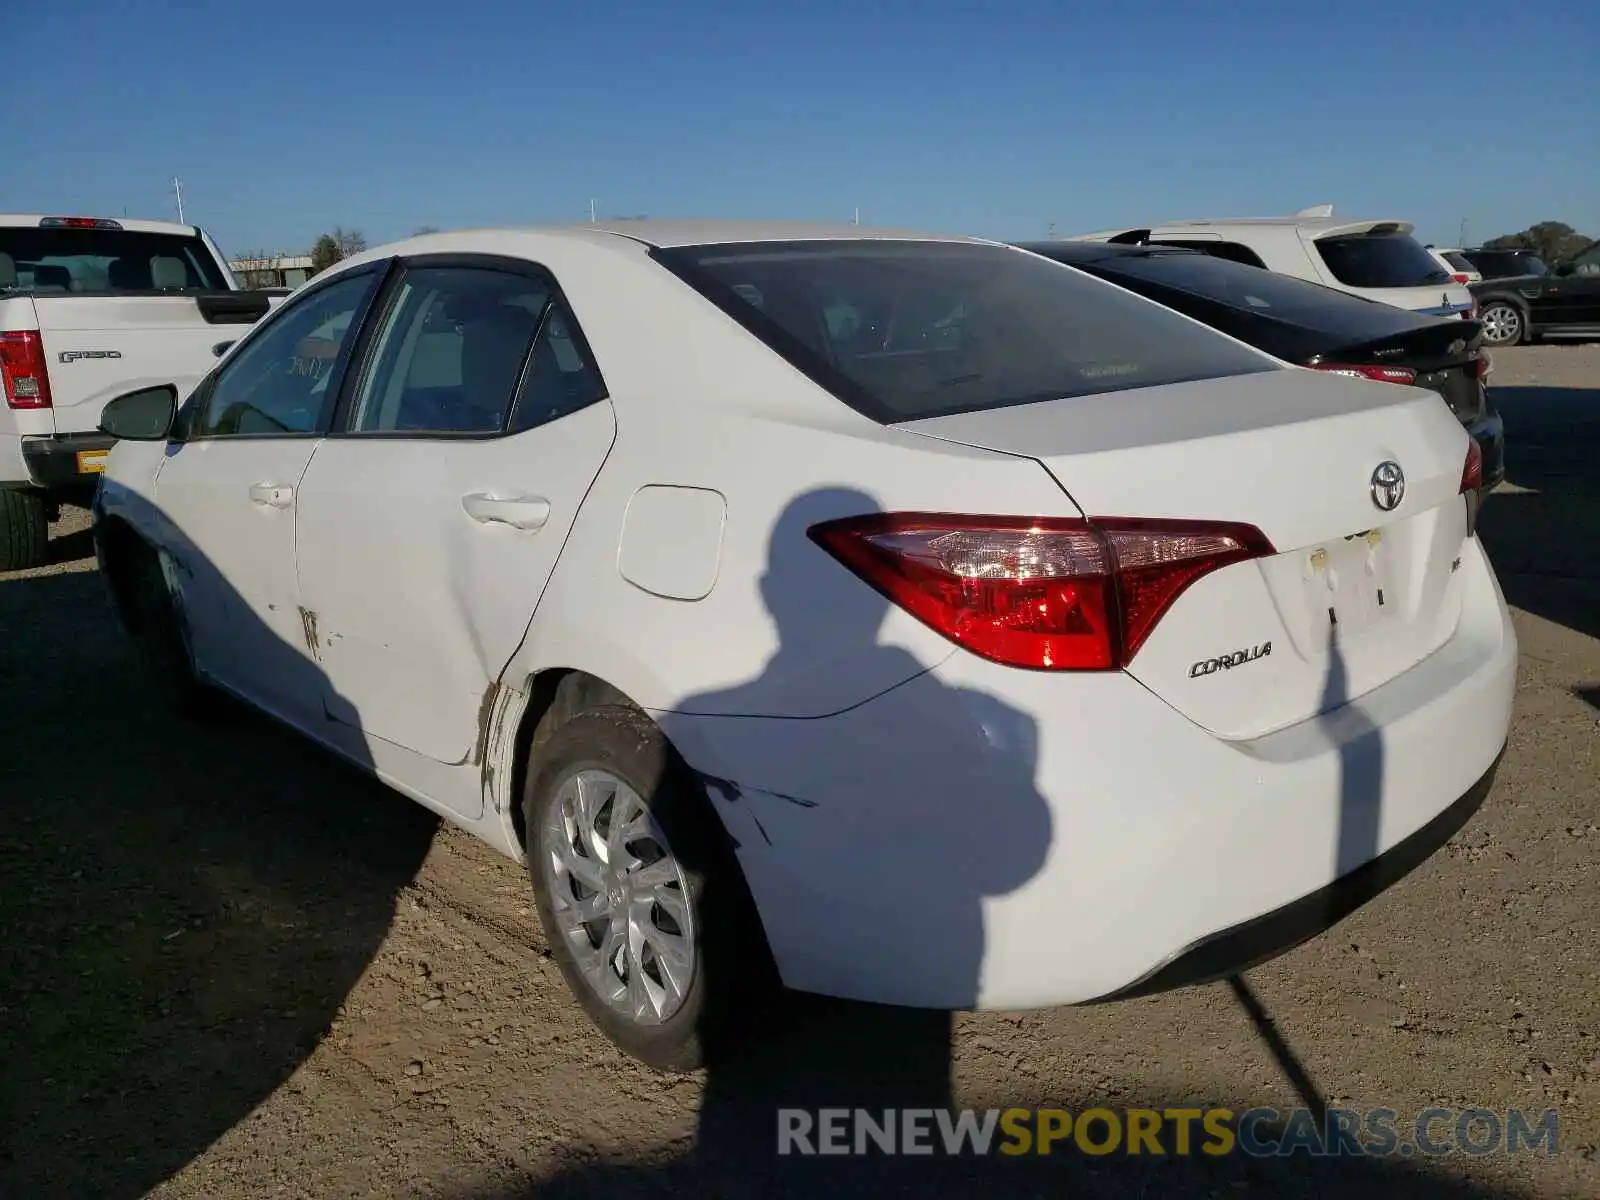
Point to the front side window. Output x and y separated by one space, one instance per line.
284 381
451 354
905 330
1379 260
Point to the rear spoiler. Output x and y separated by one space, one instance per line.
234 308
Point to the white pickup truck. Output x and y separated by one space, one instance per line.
91 308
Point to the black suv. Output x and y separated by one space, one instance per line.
1521 299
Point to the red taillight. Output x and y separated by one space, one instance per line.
1046 593
1472 473
1459 277
1381 374
22 370
1484 364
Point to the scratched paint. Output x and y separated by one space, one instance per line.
308 624
485 717
732 793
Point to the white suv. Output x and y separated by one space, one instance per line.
1376 259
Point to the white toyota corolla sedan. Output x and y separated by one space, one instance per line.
922 618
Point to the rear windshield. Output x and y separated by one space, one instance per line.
1263 293
1499 264
65 261
905 330
1379 260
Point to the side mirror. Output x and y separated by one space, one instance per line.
221 348
142 416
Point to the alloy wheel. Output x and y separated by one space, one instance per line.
1502 324
619 896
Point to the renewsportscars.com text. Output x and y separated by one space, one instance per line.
1257 1132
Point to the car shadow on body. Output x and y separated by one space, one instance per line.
185 905
1543 532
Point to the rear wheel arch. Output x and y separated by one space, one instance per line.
555 696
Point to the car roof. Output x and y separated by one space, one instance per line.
670 233
31 221
1318 223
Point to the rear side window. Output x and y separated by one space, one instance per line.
450 356
1459 261
906 330
1501 264
1231 251
64 261
1379 260
1263 293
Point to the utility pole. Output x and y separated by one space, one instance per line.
1051 232
857 219
592 203
1463 234
177 190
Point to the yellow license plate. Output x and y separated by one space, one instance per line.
92 462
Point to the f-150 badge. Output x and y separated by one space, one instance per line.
68 356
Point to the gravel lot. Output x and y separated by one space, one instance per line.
230 966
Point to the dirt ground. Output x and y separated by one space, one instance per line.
232 966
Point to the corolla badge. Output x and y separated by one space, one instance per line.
1388 485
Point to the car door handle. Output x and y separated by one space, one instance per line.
272 495
519 512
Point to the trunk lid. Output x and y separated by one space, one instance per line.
1445 357
1354 596
97 347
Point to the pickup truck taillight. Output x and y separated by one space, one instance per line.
22 370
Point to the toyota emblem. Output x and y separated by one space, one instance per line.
1388 485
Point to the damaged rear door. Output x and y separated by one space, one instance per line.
431 519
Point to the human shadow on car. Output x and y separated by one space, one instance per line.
880 835
940 854
1542 532
185 905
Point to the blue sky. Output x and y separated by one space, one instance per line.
284 118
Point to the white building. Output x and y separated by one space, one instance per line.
283 271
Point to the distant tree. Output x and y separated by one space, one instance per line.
351 241
1553 241
420 230
325 253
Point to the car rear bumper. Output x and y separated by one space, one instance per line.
67 461
984 837
1250 943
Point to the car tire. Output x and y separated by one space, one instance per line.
671 1004
153 617
24 530
1504 323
